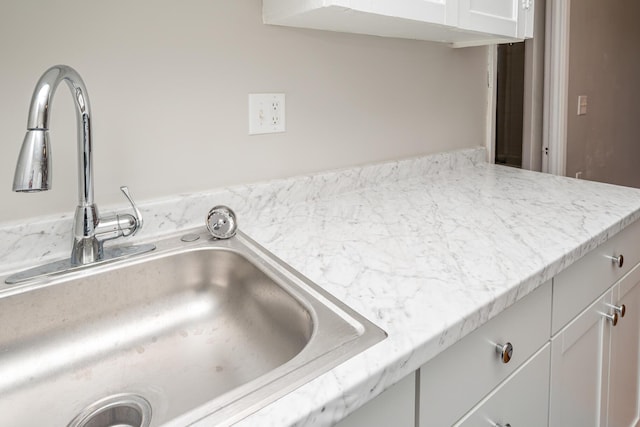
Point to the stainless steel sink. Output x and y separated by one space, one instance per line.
189 330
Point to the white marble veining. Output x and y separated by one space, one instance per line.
429 259
428 249
39 240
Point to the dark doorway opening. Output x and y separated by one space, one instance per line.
509 104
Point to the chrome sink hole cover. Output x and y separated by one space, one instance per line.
120 410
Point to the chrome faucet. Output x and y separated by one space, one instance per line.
33 169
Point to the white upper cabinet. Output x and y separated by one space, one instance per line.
511 18
459 22
388 18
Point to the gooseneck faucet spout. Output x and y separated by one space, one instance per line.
33 170
35 174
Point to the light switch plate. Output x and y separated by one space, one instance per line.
582 105
266 113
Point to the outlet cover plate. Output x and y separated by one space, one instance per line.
266 113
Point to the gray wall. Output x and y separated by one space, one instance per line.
604 64
169 80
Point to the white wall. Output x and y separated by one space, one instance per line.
168 82
604 65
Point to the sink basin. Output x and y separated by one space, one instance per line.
216 327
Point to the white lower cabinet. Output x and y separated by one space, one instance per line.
595 362
575 360
623 409
458 378
393 407
520 401
578 369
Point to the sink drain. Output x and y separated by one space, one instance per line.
120 410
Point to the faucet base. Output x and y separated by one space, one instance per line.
66 265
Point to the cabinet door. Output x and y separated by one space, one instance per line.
393 407
526 13
623 408
522 400
498 17
579 361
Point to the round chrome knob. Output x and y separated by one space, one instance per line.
613 318
505 351
617 260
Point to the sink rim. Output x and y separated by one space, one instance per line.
324 350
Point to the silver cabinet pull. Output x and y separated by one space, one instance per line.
617 260
621 309
505 351
613 318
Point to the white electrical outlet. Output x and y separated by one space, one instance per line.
266 113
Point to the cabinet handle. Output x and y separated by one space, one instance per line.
613 318
500 425
505 351
621 310
617 260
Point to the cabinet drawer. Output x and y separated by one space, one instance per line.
588 278
522 400
458 378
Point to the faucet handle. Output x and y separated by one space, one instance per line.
138 214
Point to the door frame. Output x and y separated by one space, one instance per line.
492 95
556 87
534 84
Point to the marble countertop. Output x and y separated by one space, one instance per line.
429 259
428 249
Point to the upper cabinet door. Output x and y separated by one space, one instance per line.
499 17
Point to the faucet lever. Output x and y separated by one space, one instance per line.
138 214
